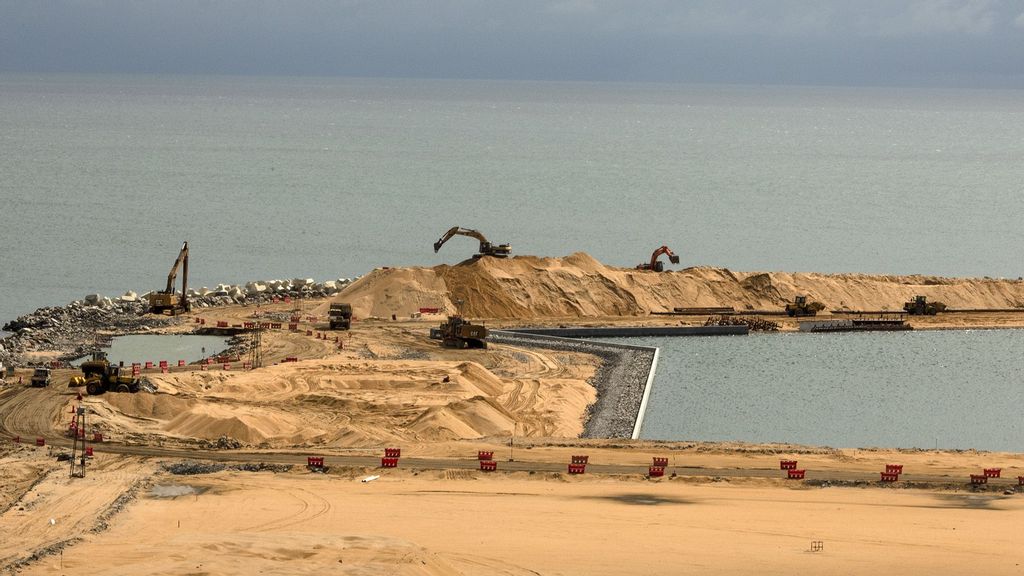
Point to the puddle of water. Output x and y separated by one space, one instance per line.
144 348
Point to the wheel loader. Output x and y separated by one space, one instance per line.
920 306
101 376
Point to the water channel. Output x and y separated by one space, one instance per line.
954 389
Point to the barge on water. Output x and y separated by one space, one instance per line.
880 323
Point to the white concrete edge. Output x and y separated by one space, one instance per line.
647 394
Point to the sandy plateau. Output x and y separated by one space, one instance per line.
721 508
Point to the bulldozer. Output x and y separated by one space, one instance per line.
100 376
801 307
458 332
920 306
486 248
656 264
168 301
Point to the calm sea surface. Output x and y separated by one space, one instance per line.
950 389
102 177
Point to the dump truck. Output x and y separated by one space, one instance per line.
655 264
40 378
340 316
801 307
458 332
102 376
920 306
486 247
168 301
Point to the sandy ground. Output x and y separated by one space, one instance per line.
458 522
723 508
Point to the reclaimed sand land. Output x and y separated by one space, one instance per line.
726 510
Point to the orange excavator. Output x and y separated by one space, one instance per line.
486 248
655 264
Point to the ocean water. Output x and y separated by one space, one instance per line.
954 389
102 177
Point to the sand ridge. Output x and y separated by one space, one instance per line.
577 285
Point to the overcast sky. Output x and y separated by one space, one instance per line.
849 42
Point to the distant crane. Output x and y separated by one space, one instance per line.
486 248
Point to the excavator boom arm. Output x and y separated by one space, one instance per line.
173 274
456 231
666 251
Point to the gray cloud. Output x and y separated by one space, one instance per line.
959 42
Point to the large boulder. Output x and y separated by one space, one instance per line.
129 296
93 299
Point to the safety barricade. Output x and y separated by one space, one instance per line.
249 325
197 320
88 451
227 365
246 366
40 441
485 455
97 437
81 434
291 359
202 321
264 325
149 365
275 325
656 471
577 468
310 318
309 332
889 476
429 310
1020 480
163 363
787 464
222 324
389 462
393 452
979 479
164 369
315 462
204 366
293 327
488 465
181 363
580 459
894 469
993 472
795 474
659 462
295 319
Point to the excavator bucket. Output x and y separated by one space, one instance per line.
673 259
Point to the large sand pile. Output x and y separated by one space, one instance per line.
349 403
580 286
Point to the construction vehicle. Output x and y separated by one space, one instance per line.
40 378
801 307
168 301
656 264
458 332
100 376
340 316
486 248
920 306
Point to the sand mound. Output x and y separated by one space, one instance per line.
580 286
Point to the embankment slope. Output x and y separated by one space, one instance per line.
525 287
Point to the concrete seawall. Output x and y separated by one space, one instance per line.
635 331
623 380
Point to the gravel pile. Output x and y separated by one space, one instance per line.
191 467
87 325
620 380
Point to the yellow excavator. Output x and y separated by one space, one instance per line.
486 248
168 301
